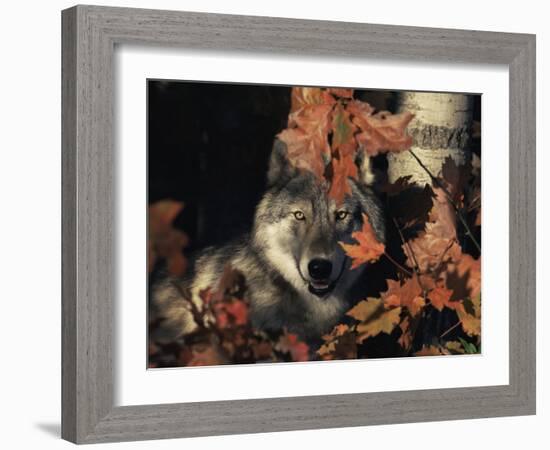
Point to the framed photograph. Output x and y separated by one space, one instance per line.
277 224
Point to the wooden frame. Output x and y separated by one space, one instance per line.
89 37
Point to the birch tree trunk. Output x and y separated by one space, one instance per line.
440 128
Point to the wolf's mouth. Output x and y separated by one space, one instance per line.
322 288
319 288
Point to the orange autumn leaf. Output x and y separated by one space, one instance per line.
407 295
343 155
368 249
342 132
164 241
469 313
308 96
342 169
326 127
340 343
337 331
463 277
306 138
470 324
437 244
374 318
381 132
366 309
440 298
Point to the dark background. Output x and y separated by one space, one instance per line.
208 146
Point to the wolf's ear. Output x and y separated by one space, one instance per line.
280 170
364 168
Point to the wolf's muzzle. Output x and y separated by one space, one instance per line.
319 269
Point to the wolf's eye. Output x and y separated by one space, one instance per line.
299 215
341 215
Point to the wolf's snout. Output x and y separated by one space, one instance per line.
320 269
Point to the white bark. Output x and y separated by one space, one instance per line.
440 128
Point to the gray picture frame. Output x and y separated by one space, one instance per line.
90 34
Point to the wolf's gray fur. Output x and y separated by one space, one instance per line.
295 223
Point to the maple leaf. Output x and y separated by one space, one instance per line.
381 132
337 331
342 169
469 313
368 249
438 243
463 276
306 138
340 343
342 132
291 344
374 318
440 298
164 241
343 155
407 295
308 96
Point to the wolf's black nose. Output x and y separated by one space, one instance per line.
320 269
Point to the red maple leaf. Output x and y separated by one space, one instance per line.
368 249
381 132
440 298
308 96
306 138
342 169
408 295
344 148
437 244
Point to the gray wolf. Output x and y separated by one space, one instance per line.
297 276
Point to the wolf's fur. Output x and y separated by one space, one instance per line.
274 257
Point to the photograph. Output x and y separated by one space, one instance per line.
294 223
260 225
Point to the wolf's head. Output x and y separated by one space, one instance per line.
297 227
